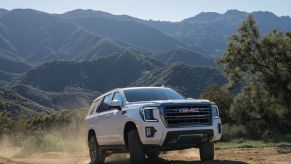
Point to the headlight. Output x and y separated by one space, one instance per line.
215 111
147 114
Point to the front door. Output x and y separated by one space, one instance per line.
116 121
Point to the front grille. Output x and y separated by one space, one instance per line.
184 115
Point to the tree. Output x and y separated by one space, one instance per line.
263 65
221 97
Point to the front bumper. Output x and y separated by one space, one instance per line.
179 137
186 139
181 140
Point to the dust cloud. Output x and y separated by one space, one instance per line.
70 138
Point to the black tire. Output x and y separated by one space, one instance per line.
206 151
137 155
96 155
153 155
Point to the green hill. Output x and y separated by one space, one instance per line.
17 106
186 56
39 37
71 98
132 32
11 67
11 63
210 31
190 80
101 75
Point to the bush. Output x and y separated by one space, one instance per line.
234 132
221 97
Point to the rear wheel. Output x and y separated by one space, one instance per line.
206 151
137 155
96 155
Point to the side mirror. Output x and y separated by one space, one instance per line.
115 104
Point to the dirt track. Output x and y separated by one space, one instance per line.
223 156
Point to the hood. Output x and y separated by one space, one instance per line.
169 102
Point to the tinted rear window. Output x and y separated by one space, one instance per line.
151 94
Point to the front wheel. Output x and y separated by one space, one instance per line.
137 155
96 155
206 151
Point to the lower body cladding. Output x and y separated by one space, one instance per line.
182 140
155 136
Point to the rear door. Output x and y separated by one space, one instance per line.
91 116
101 122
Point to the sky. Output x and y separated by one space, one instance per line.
166 10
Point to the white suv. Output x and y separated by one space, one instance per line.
147 120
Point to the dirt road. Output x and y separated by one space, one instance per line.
223 156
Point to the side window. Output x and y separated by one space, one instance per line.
117 96
105 104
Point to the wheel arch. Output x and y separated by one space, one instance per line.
128 127
90 133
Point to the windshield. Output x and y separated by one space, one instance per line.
151 94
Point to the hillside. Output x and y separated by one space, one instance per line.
71 98
190 80
81 13
210 31
186 56
39 37
3 11
132 32
99 75
11 67
17 106
56 84
45 57
81 35
7 65
207 31
6 77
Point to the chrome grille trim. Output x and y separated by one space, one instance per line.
201 116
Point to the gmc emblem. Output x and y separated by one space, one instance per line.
187 110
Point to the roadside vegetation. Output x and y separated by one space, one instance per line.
255 104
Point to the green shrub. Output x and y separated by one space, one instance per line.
234 132
221 97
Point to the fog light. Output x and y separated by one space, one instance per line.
150 131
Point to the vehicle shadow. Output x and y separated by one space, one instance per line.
164 161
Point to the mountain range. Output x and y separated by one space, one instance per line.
50 60
37 37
